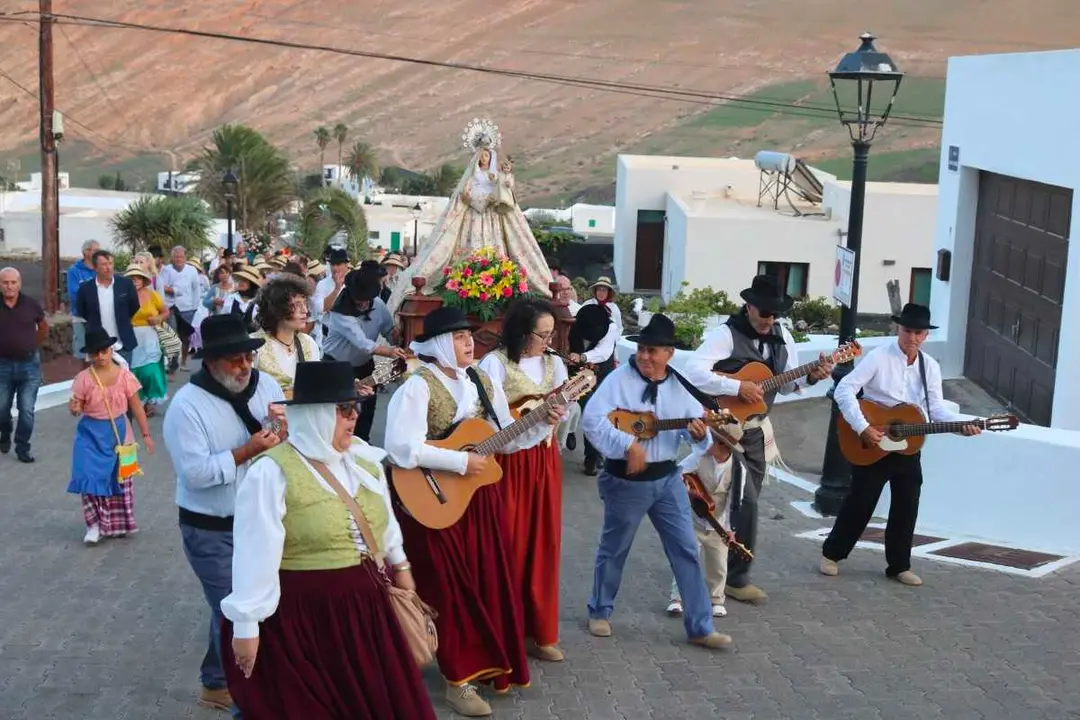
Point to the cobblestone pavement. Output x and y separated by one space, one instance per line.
117 631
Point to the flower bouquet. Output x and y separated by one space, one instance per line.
483 283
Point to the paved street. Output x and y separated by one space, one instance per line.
117 631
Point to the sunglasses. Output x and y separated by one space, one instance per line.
348 409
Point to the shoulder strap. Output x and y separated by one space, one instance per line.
925 387
485 401
299 348
354 508
707 402
108 407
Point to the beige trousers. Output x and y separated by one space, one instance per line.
714 553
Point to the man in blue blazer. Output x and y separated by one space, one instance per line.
109 302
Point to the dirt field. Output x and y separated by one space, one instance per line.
140 101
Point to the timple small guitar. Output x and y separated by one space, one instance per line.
760 373
384 373
645 425
437 498
705 508
905 431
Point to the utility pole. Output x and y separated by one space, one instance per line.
50 195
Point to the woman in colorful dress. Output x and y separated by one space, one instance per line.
147 360
532 477
311 632
102 394
463 571
282 318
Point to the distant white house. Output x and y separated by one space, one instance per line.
395 224
698 220
340 176
177 182
596 223
34 185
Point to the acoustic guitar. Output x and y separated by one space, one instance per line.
646 426
705 508
384 373
438 498
905 431
760 373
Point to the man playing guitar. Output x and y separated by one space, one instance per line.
890 374
752 335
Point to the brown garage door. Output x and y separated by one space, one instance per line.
1017 283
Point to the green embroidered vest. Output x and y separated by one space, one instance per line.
518 384
441 404
319 528
267 362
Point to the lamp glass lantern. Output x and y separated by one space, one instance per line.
229 183
864 86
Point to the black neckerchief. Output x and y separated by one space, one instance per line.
344 305
651 386
239 402
741 323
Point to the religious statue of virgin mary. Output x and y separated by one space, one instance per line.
482 212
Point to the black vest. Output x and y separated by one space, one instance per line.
745 350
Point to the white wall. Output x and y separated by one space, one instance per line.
603 215
1008 114
22 233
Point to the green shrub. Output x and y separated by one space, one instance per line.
121 261
581 287
815 312
689 329
701 301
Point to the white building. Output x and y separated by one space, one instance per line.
340 176
84 215
697 220
394 224
63 179
595 223
177 182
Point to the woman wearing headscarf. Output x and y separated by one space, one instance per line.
592 342
532 476
463 571
311 631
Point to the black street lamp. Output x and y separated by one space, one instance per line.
229 183
864 86
416 211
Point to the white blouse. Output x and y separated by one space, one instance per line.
287 360
407 445
533 367
259 533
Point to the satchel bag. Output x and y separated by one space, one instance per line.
169 340
416 618
127 454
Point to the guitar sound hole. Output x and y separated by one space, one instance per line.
639 427
893 432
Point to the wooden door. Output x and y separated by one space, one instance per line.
649 254
1017 285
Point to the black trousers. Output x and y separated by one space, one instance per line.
367 407
749 475
904 475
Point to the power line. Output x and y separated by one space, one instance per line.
652 91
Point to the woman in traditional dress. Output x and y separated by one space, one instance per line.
592 343
463 571
603 294
312 633
532 477
103 394
147 360
478 215
282 318
247 282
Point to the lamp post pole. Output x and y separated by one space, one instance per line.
860 73
229 223
229 184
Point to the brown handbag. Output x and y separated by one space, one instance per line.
416 618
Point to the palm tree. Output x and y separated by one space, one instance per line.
266 185
341 132
362 161
163 221
327 212
322 138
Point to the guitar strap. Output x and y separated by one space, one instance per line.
709 403
925 387
485 401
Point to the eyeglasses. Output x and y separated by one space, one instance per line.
544 336
349 410
239 360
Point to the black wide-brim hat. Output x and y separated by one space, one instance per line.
374 267
226 334
362 285
914 317
764 293
339 256
323 383
97 339
660 332
591 323
443 320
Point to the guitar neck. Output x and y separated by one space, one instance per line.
530 420
934 428
778 381
673 424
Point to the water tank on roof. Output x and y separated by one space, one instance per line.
774 162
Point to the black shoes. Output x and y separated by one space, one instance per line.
571 441
24 456
5 443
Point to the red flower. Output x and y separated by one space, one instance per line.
467 272
463 293
523 287
507 292
484 262
483 297
446 270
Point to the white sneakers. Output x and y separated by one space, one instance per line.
93 534
675 609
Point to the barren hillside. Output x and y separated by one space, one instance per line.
151 99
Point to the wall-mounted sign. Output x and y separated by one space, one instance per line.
845 271
954 158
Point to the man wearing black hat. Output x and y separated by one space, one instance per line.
378 270
888 375
355 323
641 477
213 428
752 335
327 290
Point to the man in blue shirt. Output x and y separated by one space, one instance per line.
641 477
77 274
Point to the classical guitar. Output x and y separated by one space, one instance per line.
760 373
905 431
645 425
384 373
438 498
705 508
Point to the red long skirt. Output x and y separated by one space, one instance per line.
333 650
463 572
532 496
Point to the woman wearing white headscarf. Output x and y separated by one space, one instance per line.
463 571
311 631
478 215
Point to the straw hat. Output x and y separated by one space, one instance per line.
136 271
602 282
395 260
316 268
250 275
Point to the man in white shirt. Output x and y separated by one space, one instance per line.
889 374
753 335
180 285
327 291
